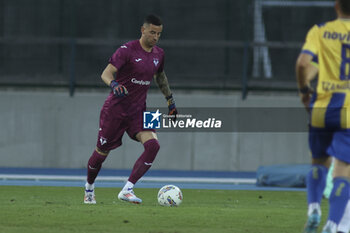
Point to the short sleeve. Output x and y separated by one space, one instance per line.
161 66
120 57
311 45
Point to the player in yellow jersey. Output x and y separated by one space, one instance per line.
329 108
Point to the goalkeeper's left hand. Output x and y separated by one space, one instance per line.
171 106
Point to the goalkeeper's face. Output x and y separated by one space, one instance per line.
151 34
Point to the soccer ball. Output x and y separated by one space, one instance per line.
170 195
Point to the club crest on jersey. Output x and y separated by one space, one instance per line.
155 61
103 140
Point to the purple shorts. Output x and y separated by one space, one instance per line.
115 119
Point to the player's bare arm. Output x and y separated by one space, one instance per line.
108 74
163 84
306 72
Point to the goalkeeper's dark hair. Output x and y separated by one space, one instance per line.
153 19
344 6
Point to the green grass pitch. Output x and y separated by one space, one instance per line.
60 209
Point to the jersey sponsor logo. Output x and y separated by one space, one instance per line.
138 59
337 36
140 82
155 61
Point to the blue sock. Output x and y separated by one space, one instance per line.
315 183
338 199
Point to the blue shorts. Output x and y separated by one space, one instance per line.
325 142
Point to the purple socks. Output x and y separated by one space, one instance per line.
141 165
94 166
145 161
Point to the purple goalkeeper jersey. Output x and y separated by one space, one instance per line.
136 69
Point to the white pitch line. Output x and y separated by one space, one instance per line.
124 178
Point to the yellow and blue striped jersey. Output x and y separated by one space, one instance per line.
330 44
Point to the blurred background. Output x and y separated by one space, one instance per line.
223 53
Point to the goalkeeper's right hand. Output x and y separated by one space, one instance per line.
118 89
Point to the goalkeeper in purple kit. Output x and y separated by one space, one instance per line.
129 74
